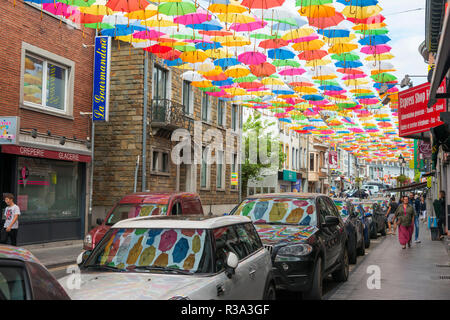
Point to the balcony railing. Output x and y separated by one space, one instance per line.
168 114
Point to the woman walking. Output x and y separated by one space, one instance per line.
390 214
404 216
423 209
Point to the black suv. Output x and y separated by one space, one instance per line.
306 237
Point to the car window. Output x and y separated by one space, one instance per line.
226 240
322 209
44 286
332 208
126 211
12 283
248 237
176 209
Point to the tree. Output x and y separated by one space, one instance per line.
257 130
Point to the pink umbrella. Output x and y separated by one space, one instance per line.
305 39
252 58
334 93
319 103
292 71
258 89
58 9
193 18
383 48
356 130
247 27
148 34
354 76
217 94
368 101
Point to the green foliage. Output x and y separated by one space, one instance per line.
401 179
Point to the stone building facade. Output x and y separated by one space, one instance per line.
174 108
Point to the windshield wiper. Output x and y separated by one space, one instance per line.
105 267
169 269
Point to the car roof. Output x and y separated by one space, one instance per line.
11 252
181 222
293 195
154 197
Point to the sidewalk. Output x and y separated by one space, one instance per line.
59 253
419 273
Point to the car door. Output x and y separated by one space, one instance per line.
258 260
339 235
14 281
325 232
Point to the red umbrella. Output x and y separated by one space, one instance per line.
250 85
157 49
379 18
170 55
350 71
273 43
262 4
86 18
219 77
312 55
264 69
215 33
127 5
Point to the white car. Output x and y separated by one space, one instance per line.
176 257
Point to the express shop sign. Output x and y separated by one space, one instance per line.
48 154
414 116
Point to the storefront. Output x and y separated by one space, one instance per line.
50 189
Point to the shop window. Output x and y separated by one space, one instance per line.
272 190
48 189
258 190
47 81
234 117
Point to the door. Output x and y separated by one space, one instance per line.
326 232
339 234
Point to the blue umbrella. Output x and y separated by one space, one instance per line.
286 26
283 92
226 62
312 97
374 40
348 64
122 30
358 3
334 33
378 85
285 120
309 128
221 83
330 88
366 97
280 54
207 25
173 63
208 45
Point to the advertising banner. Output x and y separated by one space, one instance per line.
234 179
414 116
9 130
333 159
100 97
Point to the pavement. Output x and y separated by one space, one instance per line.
55 254
421 272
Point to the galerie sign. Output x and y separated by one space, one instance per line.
102 60
414 116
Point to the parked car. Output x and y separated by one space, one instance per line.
366 219
145 204
306 237
177 258
378 218
354 228
359 193
23 277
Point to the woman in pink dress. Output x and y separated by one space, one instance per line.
404 216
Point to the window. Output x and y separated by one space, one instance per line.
265 190
234 117
204 170
322 209
12 283
248 237
226 241
188 98
272 190
159 82
220 171
47 81
311 162
286 164
176 209
205 107
160 161
251 191
221 113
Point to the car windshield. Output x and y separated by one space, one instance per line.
342 207
133 210
184 251
279 211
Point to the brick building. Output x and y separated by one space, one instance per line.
46 82
173 104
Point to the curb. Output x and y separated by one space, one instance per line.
54 265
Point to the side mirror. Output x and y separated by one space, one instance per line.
99 221
331 221
232 263
83 256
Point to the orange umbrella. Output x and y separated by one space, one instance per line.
312 55
262 4
264 69
321 11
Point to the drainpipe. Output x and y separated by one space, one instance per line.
144 124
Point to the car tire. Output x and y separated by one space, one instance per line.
373 231
270 293
367 243
361 250
341 274
383 231
316 288
352 253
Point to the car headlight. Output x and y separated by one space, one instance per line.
293 252
88 240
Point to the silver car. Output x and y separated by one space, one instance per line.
174 257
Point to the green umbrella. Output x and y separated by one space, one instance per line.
345 57
327 83
374 32
99 25
346 105
287 62
185 48
210 89
264 36
187 36
78 3
176 8
384 77
305 3
245 79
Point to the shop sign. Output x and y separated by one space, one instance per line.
9 130
48 154
414 116
333 159
297 186
424 150
289 176
100 97
234 179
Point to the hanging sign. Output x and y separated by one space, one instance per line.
9 130
234 179
100 97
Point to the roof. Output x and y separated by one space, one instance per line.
154 197
285 195
181 222
11 252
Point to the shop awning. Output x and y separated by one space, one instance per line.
410 187
442 63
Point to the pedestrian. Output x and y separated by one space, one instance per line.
11 226
416 218
423 209
390 214
440 215
404 216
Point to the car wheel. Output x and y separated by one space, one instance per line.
361 250
270 293
373 231
341 275
352 253
367 241
383 231
316 289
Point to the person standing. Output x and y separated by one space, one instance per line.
390 214
404 215
423 209
11 226
416 218
440 215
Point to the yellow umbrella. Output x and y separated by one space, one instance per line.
377 71
98 10
202 84
317 62
361 12
219 53
129 38
333 41
185 66
305 90
262 93
355 82
223 8
173 44
150 11
362 27
211 73
236 91
297 33
325 77
308 45
237 71
272 82
193 56
235 18
235 41
361 91
379 57
342 48
159 21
